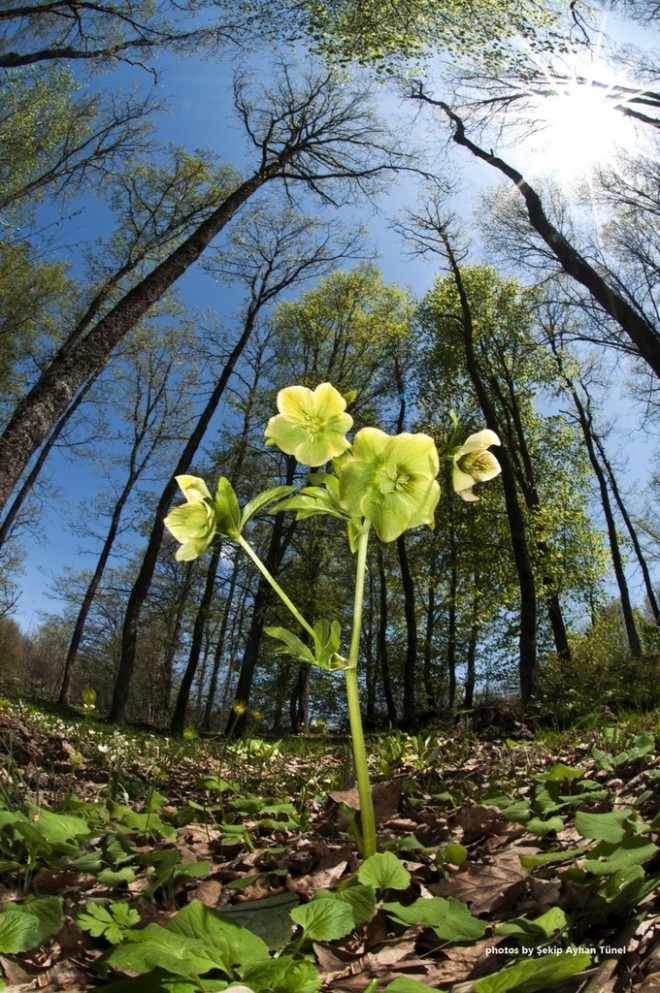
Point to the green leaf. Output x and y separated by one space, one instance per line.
405 985
609 827
518 812
160 867
24 926
537 930
327 641
283 975
63 831
610 858
291 645
19 932
156 946
235 943
543 858
542 827
360 898
563 773
384 871
450 919
114 877
262 500
110 922
534 974
268 918
227 510
324 920
160 982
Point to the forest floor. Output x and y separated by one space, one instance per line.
511 860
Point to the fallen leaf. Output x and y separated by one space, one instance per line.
479 821
486 887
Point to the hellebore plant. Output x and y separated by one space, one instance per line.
380 481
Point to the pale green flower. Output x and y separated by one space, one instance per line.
311 424
391 481
194 522
473 463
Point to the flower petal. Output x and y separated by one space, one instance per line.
311 424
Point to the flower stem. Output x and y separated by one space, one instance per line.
367 816
247 548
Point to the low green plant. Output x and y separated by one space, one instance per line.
380 482
27 924
111 922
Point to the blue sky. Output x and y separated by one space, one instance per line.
201 116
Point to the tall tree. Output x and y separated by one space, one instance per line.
152 423
315 132
638 326
111 30
277 252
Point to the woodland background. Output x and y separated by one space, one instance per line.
156 295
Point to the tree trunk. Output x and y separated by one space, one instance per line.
73 365
178 721
585 419
410 664
219 648
143 580
530 686
90 592
383 655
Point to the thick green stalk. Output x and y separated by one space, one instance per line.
247 548
367 815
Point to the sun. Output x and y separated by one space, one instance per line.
573 121
582 126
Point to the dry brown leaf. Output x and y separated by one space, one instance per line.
650 985
207 891
479 821
308 885
387 797
486 887
350 798
338 963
